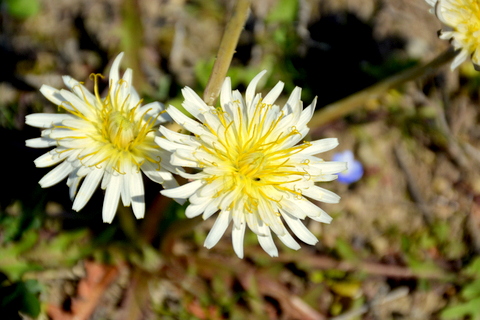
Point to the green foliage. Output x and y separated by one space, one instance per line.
345 250
65 249
239 75
20 297
23 8
469 303
285 12
12 262
392 65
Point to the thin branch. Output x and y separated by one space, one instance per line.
347 105
225 51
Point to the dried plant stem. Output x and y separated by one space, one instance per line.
130 41
225 51
345 106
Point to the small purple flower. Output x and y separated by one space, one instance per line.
355 168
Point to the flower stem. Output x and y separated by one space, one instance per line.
127 222
346 105
225 51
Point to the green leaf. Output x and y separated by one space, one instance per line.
285 11
470 308
345 250
473 269
23 8
11 261
471 290
20 297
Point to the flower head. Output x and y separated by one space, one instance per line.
355 168
109 140
463 18
254 168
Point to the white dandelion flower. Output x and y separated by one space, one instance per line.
253 167
462 17
108 141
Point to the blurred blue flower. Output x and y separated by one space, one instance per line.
355 168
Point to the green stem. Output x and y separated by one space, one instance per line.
346 105
225 51
127 222
132 41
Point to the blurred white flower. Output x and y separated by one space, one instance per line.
107 139
462 17
253 166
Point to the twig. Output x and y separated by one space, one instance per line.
324 262
90 290
136 297
345 106
413 189
225 51
452 145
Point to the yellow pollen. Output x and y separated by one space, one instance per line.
120 130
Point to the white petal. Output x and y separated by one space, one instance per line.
154 110
112 196
46 120
211 208
306 115
294 101
40 143
252 87
301 208
288 240
184 191
73 182
48 159
187 123
56 175
193 103
114 70
319 146
178 137
52 94
459 59
321 194
81 92
182 162
137 193
88 187
226 93
167 144
218 229
328 167
323 218
238 234
267 244
272 96
125 195
194 210
77 104
152 171
299 229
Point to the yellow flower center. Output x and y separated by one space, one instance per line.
252 161
472 19
119 130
